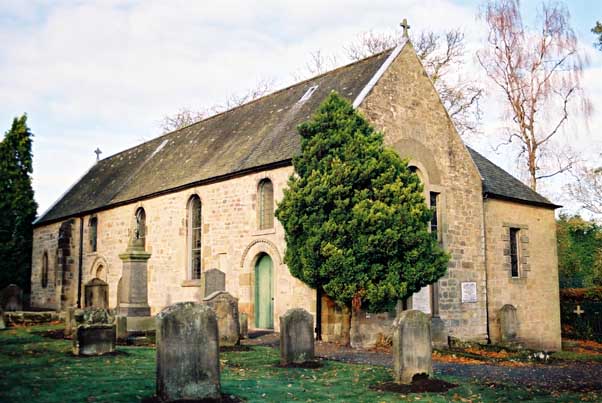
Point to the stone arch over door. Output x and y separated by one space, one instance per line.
247 281
99 269
264 292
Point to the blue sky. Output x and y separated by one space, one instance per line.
103 74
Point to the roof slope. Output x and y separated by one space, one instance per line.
499 183
258 134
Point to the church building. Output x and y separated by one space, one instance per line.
203 197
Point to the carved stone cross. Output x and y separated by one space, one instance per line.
579 311
404 24
97 152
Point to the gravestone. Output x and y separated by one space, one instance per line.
244 325
95 339
296 337
11 298
121 327
133 285
412 347
226 310
70 323
187 352
94 333
213 280
508 324
2 320
439 334
96 294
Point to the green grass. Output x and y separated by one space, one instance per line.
38 369
574 356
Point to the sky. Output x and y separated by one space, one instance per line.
104 73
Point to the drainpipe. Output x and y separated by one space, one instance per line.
486 274
319 313
81 262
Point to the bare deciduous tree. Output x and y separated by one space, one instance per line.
587 189
539 72
186 117
441 56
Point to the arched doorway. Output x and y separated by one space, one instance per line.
264 293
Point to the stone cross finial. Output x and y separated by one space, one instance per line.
97 152
579 311
404 24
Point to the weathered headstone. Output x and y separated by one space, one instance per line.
226 310
2 320
69 322
439 334
121 327
244 325
412 346
11 298
213 280
96 294
94 332
187 352
508 323
296 337
96 339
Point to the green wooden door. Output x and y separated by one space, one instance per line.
264 301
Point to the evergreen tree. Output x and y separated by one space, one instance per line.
579 252
598 31
354 215
17 205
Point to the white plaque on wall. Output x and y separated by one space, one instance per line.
469 292
421 300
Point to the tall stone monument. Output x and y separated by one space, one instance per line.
133 287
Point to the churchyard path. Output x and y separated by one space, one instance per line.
557 375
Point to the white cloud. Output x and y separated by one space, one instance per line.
104 73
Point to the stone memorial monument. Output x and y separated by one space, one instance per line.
226 310
296 337
94 333
508 324
96 294
11 298
187 353
412 347
212 281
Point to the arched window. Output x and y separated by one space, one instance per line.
45 270
266 204
141 225
194 237
93 224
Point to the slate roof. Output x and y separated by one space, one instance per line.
498 183
251 137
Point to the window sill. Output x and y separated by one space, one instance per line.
264 231
191 283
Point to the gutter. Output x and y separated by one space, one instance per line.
81 259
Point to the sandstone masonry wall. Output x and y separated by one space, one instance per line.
535 292
406 108
230 237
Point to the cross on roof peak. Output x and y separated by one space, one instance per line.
404 24
97 152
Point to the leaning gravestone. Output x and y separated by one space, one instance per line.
213 280
226 310
412 347
95 332
11 298
96 294
187 353
508 324
296 337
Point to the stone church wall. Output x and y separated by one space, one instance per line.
406 108
231 242
534 292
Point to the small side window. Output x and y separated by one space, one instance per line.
93 224
45 270
514 252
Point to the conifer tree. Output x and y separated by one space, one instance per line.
17 205
355 218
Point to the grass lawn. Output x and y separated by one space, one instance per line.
34 368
